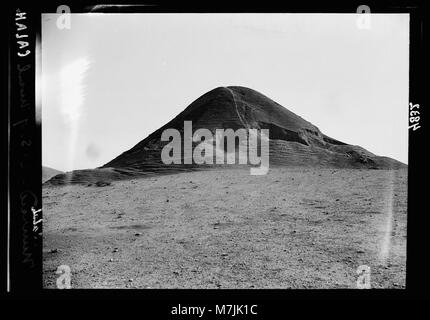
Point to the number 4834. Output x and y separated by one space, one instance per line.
414 116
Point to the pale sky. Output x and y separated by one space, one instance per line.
112 79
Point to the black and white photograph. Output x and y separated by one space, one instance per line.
225 151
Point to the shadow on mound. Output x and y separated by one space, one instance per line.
293 141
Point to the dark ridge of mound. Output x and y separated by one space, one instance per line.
223 108
48 173
293 140
101 177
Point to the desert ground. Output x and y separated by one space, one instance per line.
223 228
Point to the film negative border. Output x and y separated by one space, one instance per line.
24 217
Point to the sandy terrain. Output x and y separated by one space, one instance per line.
293 228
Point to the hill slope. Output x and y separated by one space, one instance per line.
293 140
48 173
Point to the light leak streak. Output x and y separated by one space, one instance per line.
72 97
388 225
